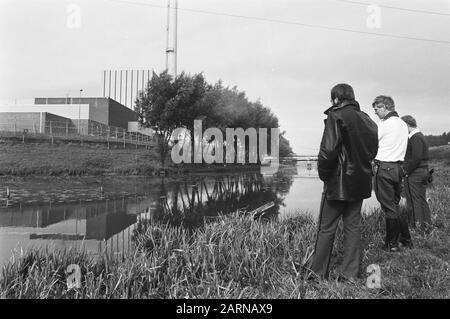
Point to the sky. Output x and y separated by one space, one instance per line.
278 58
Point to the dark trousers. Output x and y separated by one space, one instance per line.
331 211
388 188
416 200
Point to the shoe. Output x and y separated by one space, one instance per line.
391 248
344 279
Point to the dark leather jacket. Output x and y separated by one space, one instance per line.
349 144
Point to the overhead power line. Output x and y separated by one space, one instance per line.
395 8
315 26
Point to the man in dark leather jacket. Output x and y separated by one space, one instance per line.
349 144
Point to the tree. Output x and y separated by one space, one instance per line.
436 140
285 147
167 104
233 109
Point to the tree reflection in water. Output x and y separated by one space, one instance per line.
191 202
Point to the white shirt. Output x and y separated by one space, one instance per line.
416 130
392 140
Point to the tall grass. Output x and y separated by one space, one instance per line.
238 257
234 257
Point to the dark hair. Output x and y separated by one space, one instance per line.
409 120
343 92
387 101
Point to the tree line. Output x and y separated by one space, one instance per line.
437 140
169 103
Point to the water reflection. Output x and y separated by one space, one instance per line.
189 202
97 226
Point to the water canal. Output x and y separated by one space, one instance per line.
99 214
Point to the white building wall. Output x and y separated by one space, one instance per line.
66 110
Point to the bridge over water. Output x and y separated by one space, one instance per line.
299 158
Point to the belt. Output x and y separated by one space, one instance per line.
380 162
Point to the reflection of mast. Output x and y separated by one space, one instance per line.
123 241
171 40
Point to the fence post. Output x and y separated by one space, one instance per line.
34 128
116 133
107 137
124 138
137 139
81 136
51 131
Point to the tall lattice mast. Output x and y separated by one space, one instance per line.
171 40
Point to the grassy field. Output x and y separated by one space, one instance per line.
44 159
440 152
238 257
71 159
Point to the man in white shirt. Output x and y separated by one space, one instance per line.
392 144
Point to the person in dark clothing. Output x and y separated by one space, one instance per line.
416 178
349 144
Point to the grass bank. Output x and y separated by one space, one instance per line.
72 159
92 159
440 152
237 257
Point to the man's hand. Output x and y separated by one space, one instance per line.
403 171
374 168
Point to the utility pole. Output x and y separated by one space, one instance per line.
175 40
79 111
171 40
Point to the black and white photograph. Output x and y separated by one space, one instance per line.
229 152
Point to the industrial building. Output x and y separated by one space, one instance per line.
86 115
